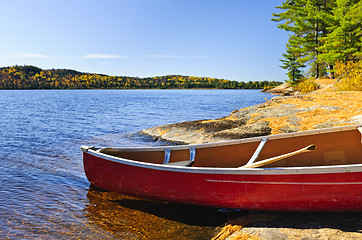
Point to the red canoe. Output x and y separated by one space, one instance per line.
318 170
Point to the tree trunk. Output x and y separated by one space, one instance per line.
331 74
316 48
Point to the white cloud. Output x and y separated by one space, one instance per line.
31 55
175 56
102 56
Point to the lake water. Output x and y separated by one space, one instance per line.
44 193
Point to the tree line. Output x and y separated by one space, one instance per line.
31 77
322 34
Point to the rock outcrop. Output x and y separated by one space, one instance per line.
320 109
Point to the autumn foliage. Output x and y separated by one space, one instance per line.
307 85
30 77
349 76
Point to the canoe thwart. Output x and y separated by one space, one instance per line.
309 148
192 154
187 163
167 156
257 151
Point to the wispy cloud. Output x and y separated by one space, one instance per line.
88 56
107 56
102 56
30 55
175 56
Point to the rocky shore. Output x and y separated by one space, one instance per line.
282 114
291 112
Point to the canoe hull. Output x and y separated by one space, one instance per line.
295 189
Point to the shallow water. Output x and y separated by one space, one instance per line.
44 192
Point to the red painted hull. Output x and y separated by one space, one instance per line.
335 188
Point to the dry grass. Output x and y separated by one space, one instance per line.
345 105
233 232
325 106
227 231
162 131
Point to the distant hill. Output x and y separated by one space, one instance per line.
30 77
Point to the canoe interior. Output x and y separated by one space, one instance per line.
333 148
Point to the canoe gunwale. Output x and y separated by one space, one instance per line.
234 171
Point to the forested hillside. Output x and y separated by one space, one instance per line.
30 77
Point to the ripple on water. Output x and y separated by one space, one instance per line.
43 190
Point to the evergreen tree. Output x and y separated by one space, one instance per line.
291 63
306 20
343 43
323 33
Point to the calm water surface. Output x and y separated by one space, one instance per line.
44 192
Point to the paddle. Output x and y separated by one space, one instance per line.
280 157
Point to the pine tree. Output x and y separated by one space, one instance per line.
306 20
323 33
291 63
344 42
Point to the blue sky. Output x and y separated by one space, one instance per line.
230 39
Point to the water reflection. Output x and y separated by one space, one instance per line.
131 218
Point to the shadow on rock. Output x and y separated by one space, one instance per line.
346 222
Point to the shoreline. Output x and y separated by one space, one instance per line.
323 108
291 112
